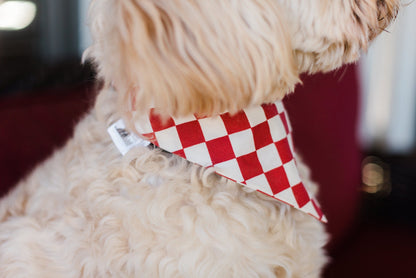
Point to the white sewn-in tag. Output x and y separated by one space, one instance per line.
123 139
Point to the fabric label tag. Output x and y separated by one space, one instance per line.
123 139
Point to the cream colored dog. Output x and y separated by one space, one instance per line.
90 212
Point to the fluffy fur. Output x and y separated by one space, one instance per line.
216 56
88 212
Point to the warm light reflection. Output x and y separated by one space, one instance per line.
375 176
16 15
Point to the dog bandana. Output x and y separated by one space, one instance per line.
253 148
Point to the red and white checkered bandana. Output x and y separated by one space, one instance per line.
253 148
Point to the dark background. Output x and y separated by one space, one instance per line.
47 53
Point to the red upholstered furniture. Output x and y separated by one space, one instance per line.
32 125
323 112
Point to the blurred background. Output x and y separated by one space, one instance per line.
41 42
387 126
44 90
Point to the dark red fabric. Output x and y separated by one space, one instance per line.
376 250
323 112
32 126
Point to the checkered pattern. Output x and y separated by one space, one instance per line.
253 148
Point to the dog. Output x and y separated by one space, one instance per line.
89 211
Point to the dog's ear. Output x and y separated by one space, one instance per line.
196 56
327 34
